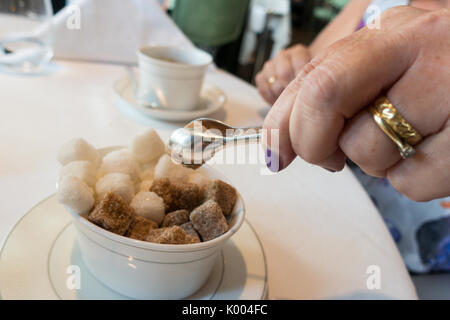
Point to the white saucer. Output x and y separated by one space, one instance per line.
36 255
212 100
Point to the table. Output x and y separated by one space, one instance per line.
319 230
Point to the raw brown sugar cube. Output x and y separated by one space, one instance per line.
192 239
112 213
175 218
222 193
163 188
191 233
185 196
188 227
140 227
208 220
170 235
177 196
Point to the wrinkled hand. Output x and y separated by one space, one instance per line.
284 67
322 115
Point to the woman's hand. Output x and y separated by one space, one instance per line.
322 115
281 70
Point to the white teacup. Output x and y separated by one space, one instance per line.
171 77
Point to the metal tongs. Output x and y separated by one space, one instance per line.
200 139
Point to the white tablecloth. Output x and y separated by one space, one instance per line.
319 230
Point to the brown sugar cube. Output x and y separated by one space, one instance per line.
188 227
222 193
175 218
186 196
170 235
140 228
112 214
177 196
208 220
191 233
153 235
163 188
192 239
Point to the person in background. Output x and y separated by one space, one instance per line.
385 62
280 71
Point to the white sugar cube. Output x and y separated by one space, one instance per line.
147 172
78 149
83 169
166 168
75 194
149 205
145 185
121 161
119 183
148 146
199 179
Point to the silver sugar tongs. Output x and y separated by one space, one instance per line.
198 141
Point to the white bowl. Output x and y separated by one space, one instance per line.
145 270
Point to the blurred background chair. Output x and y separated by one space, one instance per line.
210 23
268 31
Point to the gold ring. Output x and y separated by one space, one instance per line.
395 127
386 111
271 80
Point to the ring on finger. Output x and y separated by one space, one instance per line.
395 120
271 80
392 123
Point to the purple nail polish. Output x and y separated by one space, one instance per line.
272 161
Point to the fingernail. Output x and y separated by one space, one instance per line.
272 161
268 158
